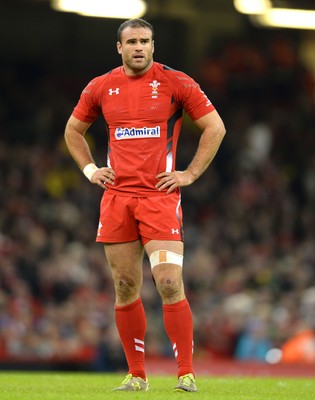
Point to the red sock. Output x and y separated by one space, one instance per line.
179 327
131 325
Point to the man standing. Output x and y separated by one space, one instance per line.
142 102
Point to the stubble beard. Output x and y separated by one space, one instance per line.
138 67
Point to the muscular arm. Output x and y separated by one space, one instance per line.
76 143
209 143
80 151
213 131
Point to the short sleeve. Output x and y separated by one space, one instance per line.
88 107
194 101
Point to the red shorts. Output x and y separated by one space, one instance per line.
125 219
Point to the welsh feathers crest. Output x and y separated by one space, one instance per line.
155 85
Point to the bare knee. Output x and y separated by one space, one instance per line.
126 289
169 288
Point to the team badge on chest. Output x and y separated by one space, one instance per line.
155 85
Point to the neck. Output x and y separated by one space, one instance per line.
135 72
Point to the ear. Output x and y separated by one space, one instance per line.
119 47
152 46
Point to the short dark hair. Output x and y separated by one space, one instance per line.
134 23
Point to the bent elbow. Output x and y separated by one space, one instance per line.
221 130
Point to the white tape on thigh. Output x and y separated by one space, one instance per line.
165 257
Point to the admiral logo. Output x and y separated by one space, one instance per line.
137 133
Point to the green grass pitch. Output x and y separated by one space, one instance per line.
89 386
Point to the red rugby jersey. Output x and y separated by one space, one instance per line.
143 115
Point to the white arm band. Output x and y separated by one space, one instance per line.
89 170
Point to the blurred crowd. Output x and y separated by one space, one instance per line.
249 222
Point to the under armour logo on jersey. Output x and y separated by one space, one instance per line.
175 231
112 91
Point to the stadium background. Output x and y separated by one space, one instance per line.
249 221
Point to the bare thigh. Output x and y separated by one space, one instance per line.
125 260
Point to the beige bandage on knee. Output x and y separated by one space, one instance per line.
165 257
